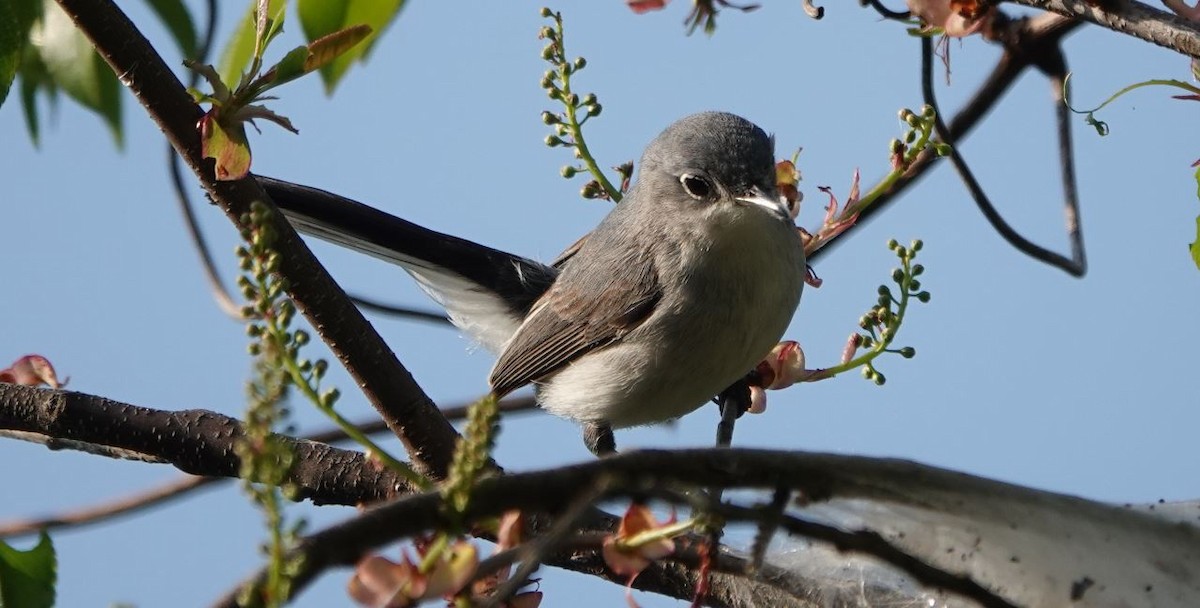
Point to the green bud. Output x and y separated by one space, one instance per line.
942 149
594 109
571 99
254 348
927 111
865 321
553 93
319 368
892 244
548 51
254 330
916 245
568 171
923 297
546 32
896 146
897 275
304 365
910 137
865 341
908 352
546 13
330 397
917 269
550 118
588 99
878 379
914 285
590 190
884 291
885 300
301 337
248 312
904 114
901 252
553 141
562 130
868 373
580 63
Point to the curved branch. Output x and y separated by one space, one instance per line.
971 501
1076 265
1028 40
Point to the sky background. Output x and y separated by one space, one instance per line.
1024 374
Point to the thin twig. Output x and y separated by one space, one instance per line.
1077 264
1028 40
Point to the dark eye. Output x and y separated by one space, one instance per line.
695 185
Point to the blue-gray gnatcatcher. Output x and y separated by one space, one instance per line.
679 292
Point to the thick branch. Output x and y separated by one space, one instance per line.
1133 18
408 411
199 442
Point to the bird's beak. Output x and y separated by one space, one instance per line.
772 204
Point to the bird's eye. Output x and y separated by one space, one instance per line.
696 186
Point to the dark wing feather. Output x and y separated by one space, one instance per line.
576 316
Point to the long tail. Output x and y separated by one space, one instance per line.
486 291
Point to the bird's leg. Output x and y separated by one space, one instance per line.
598 437
733 401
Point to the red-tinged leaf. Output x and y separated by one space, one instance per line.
645 6
31 370
325 49
319 18
227 145
249 113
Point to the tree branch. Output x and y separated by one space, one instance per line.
199 442
1134 18
388 386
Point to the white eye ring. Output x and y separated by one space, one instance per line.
696 186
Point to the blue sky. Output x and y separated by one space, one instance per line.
1022 373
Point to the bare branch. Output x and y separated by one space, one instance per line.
181 488
199 442
1133 18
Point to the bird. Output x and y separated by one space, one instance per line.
678 293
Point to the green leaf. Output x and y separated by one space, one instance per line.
27 577
34 78
74 66
1195 246
227 145
240 46
174 14
16 18
318 19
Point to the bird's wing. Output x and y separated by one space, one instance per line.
569 322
